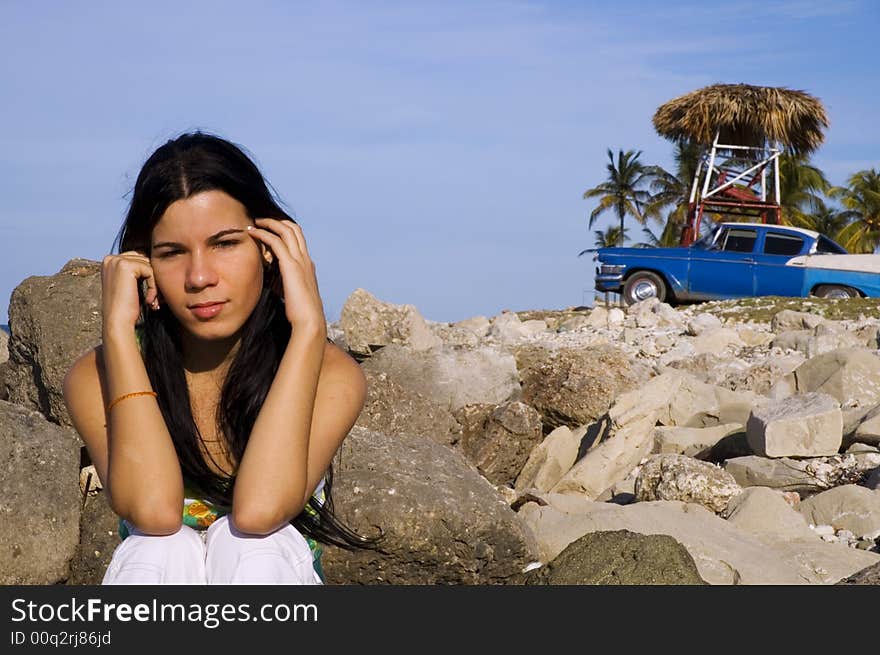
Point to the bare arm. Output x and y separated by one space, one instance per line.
129 444
316 397
143 467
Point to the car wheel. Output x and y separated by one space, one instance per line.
835 291
642 285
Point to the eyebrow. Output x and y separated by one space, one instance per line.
211 239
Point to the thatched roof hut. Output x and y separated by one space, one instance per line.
745 115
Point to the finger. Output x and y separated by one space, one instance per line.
287 231
272 240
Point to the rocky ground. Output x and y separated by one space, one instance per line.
731 442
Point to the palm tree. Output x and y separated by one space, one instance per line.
861 203
623 191
826 220
668 238
673 190
608 239
800 186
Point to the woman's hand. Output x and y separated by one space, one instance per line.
120 276
302 301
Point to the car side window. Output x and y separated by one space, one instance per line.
782 244
826 246
738 240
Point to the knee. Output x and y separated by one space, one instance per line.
184 537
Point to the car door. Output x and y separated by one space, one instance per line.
726 270
772 276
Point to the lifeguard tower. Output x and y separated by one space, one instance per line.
744 130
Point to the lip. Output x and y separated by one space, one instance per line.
208 310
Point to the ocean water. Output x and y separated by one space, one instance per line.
5 328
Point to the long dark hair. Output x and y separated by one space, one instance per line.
189 164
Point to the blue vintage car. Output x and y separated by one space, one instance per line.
737 260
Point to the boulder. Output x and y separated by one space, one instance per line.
393 407
850 375
620 558
574 386
869 575
610 461
550 459
693 442
848 507
701 323
39 487
868 430
765 513
788 319
805 476
676 398
99 538
805 425
723 553
442 522
676 477
369 324
54 319
500 444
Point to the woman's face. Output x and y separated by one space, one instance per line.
201 253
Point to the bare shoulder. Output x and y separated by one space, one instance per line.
339 365
86 374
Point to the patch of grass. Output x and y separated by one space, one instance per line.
763 308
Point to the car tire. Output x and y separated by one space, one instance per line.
835 291
642 285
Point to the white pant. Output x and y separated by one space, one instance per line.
225 556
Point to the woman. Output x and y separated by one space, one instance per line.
215 388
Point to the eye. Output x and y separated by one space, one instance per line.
227 243
168 253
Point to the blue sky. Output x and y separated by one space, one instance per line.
434 153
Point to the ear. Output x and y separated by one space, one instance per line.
266 254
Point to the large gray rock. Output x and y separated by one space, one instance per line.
443 522
369 324
693 442
805 476
788 319
849 507
620 558
677 398
551 459
54 319
765 513
723 553
805 425
499 445
99 538
420 392
39 497
869 575
574 386
868 430
394 407
851 375
610 461
676 477
451 377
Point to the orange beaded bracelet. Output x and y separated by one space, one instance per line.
131 395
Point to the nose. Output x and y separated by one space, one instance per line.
201 272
